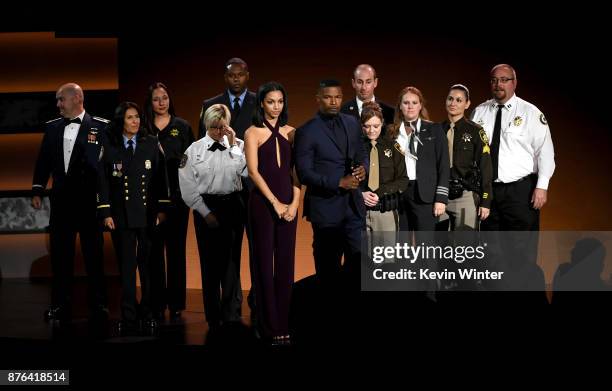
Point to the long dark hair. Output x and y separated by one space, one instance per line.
259 115
115 130
149 115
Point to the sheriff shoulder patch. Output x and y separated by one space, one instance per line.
183 161
483 136
399 148
543 119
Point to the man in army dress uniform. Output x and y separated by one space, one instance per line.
69 153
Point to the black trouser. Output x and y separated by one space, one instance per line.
168 275
417 214
62 246
330 243
220 251
511 208
133 247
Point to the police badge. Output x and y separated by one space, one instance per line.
466 137
174 132
148 164
388 152
517 121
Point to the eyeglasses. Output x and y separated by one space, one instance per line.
502 80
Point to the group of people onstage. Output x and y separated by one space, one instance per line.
365 165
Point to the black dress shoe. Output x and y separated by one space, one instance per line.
56 312
150 324
128 328
99 313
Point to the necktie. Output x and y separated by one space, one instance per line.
130 150
373 181
76 120
413 125
217 146
496 140
235 111
451 139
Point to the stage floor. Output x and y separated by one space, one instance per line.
23 302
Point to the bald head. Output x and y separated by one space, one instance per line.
503 82
364 82
364 68
506 67
70 99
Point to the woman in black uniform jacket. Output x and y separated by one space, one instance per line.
175 136
132 193
425 150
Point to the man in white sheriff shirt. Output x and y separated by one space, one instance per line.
521 152
210 181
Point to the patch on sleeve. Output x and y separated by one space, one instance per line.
183 161
543 119
399 148
483 136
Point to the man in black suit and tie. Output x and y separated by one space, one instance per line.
237 98
69 153
330 159
364 82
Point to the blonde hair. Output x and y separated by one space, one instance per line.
216 113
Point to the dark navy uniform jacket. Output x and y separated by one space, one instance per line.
73 195
132 192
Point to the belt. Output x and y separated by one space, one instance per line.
375 208
517 181
220 197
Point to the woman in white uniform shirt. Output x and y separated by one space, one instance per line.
210 180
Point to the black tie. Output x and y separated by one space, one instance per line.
217 146
130 150
235 111
495 141
76 120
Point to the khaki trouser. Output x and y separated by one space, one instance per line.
463 212
381 229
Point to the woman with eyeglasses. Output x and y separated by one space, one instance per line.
210 174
